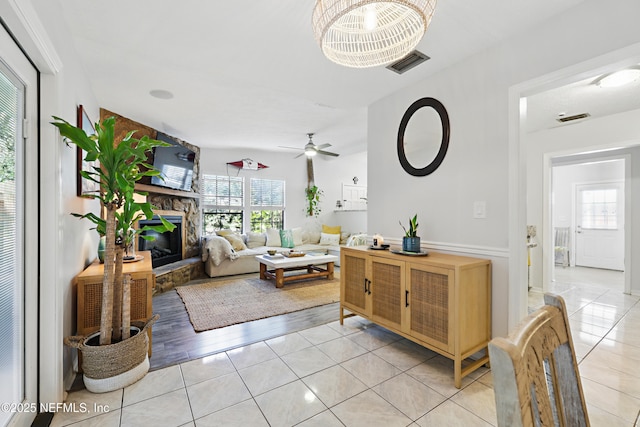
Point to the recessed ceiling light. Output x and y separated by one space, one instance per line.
161 94
619 78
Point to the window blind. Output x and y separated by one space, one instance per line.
11 286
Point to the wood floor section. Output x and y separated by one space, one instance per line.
175 341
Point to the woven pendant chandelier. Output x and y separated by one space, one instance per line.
368 33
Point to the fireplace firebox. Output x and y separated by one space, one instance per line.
167 246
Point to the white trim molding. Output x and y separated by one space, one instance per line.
28 21
485 251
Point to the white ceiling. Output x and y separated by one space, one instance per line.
248 73
583 96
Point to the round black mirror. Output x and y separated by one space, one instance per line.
423 141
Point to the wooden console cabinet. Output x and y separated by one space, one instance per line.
89 298
440 301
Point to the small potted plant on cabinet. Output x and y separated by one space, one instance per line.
411 240
119 358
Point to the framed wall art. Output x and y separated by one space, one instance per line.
84 186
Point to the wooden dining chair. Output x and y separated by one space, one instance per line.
535 374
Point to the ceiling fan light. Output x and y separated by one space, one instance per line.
310 151
619 78
368 33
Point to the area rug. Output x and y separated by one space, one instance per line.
213 304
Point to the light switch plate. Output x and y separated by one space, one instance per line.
480 210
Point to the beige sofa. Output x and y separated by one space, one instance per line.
225 256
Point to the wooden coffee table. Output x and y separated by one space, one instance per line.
274 268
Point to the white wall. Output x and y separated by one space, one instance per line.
617 130
67 244
475 93
329 173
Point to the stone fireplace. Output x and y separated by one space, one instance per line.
169 203
167 247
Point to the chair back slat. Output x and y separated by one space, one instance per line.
535 373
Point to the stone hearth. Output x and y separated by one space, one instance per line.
178 273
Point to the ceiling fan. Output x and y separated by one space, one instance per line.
311 149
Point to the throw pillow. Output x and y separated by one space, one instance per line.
237 243
273 237
286 238
297 236
343 237
329 239
311 237
327 229
255 240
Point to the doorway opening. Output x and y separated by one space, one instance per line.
588 221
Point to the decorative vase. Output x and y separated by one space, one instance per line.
411 244
129 249
102 244
114 366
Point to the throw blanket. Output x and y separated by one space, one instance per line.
218 249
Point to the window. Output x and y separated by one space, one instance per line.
267 204
222 203
600 209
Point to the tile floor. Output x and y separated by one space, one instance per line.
360 374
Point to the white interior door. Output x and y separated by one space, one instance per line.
599 239
354 197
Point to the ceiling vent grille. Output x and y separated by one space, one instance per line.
413 59
574 117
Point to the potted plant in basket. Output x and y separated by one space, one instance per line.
119 358
411 240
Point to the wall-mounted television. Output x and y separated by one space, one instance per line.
175 164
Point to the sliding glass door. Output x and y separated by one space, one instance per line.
18 307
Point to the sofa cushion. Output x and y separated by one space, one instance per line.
286 238
328 229
255 240
329 239
310 237
297 236
273 237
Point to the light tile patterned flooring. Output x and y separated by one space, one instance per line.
360 374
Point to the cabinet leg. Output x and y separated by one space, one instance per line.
457 376
341 315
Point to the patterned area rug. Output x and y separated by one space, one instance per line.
214 304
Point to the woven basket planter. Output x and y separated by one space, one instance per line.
114 366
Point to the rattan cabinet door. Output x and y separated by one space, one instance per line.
431 305
388 307
355 288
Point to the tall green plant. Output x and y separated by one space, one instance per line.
120 167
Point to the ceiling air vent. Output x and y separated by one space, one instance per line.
413 59
565 119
